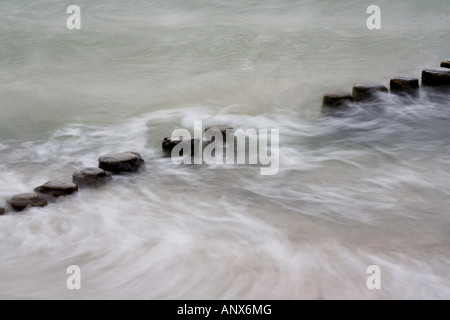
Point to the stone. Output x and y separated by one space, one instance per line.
404 85
121 162
22 201
436 77
91 178
2 211
445 64
222 129
57 188
336 100
368 91
168 144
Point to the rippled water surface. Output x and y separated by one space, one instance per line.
371 188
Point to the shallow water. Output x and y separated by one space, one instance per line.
371 188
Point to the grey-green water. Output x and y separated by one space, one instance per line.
371 189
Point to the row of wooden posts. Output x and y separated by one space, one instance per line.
128 162
403 85
110 164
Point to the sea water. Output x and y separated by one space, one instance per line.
371 188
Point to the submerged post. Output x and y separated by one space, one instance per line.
368 91
445 64
336 100
436 77
404 85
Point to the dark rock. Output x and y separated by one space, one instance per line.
121 162
57 188
221 129
368 91
336 100
22 201
168 144
91 178
404 85
2 211
445 64
436 77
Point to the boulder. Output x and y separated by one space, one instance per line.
404 85
2 211
121 162
57 188
436 77
336 100
368 91
22 201
445 64
91 178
